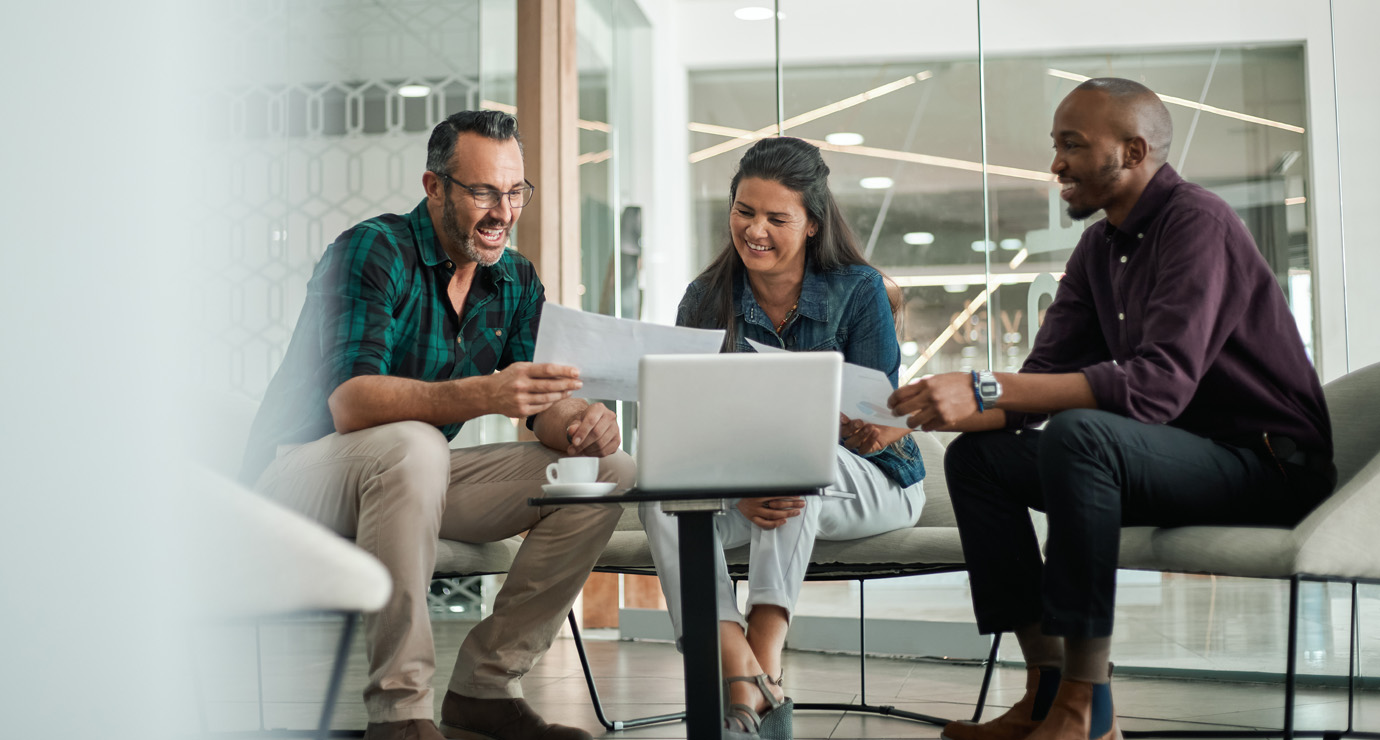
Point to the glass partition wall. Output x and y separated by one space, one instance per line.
935 120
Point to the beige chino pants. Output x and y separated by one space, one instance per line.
396 488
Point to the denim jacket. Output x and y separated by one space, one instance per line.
844 310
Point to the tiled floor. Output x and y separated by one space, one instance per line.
640 678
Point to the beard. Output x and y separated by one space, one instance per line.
1101 183
450 224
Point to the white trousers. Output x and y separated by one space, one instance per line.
778 558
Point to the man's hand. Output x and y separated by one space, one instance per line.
770 513
525 388
593 432
936 402
864 438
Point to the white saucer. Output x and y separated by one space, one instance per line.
578 489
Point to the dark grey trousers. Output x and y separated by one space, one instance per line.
1093 472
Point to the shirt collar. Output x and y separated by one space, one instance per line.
429 247
1151 201
814 295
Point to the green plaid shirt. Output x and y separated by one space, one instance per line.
377 305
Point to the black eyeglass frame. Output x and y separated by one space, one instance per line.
527 187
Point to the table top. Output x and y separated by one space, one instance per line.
634 495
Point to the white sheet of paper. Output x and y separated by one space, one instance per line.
607 349
865 391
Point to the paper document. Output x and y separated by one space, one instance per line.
864 395
606 349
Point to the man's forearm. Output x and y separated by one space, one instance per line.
550 425
1039 393
371 400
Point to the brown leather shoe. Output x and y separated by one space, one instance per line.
409 729
464 718
1072 714
1015 724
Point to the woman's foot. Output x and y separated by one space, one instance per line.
765 701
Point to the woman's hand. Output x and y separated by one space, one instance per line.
864 438
770 513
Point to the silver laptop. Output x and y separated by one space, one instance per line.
730 421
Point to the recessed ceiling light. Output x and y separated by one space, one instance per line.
752 13
414 91
977 246
918 238
844 138
955 287
1011 245
910 349
876 183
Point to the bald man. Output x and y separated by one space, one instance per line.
1176 390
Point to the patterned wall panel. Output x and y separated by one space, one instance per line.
317 138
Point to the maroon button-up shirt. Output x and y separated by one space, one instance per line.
1175 318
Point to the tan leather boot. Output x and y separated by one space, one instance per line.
1071 715
1015 724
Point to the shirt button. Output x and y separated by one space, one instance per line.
1121 317
498 332
1140 236
459 340
1123 259
448 264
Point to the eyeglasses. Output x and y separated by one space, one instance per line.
488 197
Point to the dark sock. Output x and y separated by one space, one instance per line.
1044 693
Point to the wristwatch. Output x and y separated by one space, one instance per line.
987 388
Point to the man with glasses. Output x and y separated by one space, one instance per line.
413 325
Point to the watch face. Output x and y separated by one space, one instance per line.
988 388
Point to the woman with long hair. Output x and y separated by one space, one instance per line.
792 277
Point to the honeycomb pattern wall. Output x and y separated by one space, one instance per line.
315 136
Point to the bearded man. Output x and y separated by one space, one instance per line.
413 325
1177 392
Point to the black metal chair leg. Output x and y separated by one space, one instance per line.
610 725
1291 661
989 666
342 657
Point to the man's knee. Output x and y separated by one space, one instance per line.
1076 433
415 458
618 468
968 455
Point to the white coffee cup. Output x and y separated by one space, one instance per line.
573 470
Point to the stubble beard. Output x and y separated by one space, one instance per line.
1107 176
450 224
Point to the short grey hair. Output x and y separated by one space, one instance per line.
491 124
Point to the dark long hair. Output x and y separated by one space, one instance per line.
798 166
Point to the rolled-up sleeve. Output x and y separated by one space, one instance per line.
357 287
1188 317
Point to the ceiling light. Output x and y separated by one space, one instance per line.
752 13
844 138
909 349
876 183
918 238
1011 245
955 287
977 246
414 91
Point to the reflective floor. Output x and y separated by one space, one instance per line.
1191 623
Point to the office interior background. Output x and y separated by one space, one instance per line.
176 170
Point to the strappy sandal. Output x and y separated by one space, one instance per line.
775 723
